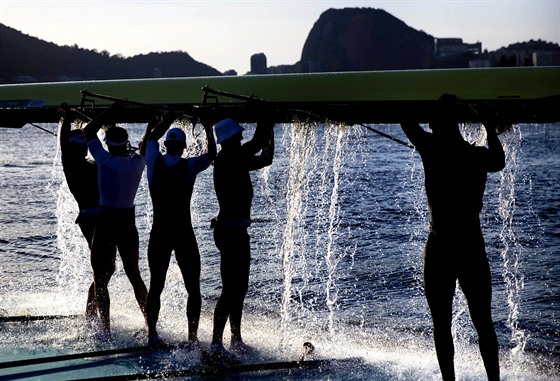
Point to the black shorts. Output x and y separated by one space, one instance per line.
115 229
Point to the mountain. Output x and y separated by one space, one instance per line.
350 39
26 58
365 39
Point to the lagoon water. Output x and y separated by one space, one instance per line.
340 221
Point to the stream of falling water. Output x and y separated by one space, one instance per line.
71 243
316 159
301 153
512 249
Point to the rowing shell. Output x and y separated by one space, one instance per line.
520 94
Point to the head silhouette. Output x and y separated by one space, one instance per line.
117 140
175 142
77 143
228 131
445 118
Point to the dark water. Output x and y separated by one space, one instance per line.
340 223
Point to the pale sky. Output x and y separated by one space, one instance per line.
224 34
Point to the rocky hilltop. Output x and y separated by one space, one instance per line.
365 39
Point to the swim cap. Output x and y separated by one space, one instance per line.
226 128
116 136
176 135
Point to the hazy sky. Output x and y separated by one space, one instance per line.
224 34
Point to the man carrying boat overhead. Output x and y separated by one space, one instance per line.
171 179
81 176
232 182
455 177
119 171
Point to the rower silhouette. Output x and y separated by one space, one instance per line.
171 179
119 171
81 177
455 178
234 191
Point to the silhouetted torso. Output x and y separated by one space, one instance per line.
455 178
81 176
232 182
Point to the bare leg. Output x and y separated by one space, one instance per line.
87 226
153 303
158 259
103 265
103 304
235 265
190 269
220 318
477 287
91 305
439 285
237 308
130 263
443 341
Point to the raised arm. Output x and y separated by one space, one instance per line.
91 129
268 151
414 133
156 129
496 158
264 140
66 126
144 143
160 128
210 141
261 136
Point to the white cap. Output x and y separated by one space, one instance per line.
176 135
116 136
226 128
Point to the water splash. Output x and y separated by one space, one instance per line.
419 201
333 255
311 252
512 249
74 270
301 151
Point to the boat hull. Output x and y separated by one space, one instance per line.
527 94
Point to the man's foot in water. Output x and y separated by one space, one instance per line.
156 341
240 348
103 335
192 345
218 355
93 322
141 334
